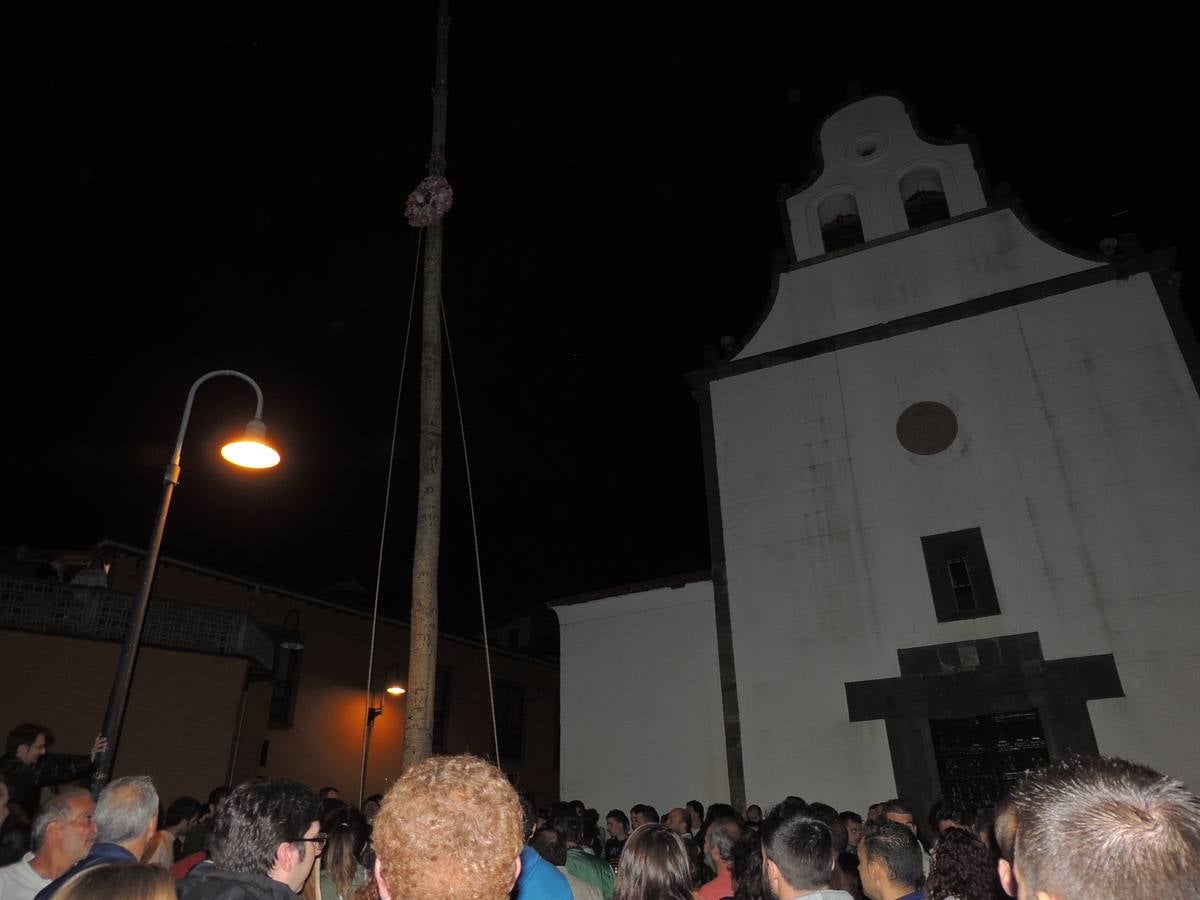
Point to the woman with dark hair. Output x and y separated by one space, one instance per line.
654 866
747 868
342 872
962 869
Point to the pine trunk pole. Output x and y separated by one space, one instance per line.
422 652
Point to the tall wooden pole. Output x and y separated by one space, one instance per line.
422 652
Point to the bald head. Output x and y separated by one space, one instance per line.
678 821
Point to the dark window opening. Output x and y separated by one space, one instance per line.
960 578
924 198
510 720
841 225
441 699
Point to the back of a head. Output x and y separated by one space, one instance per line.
822 812
1103 827
180 810
15 841
648 812
255 819
896 805
722 835
470 852
550 846
529 814
217 796
129 882
788 807
654 864
747 867
124 809
569 826
962 866
346 831
802 848
895 847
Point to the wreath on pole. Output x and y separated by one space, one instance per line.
429 201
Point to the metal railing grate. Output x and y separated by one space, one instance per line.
49 607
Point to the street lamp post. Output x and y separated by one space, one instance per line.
391 685
251 451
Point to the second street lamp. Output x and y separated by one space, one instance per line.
251 451
393 686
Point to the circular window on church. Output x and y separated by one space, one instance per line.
926 428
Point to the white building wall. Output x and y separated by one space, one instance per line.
916 273
1077 456
641 700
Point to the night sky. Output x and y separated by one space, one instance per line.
228 193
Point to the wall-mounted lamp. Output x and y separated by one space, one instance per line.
290 635
391 685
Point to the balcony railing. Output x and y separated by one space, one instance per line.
49 607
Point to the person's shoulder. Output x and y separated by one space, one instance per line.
218 884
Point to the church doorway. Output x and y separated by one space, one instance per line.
980 757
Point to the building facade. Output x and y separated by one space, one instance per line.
952 479
237 679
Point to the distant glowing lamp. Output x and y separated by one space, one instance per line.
252 451
391 685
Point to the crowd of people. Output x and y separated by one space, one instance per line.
455 827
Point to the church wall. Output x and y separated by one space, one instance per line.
915 273
1079 435
641 700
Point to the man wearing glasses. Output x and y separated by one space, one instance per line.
263 844
63 833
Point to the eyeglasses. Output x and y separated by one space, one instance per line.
319 840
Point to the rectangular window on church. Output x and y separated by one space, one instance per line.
960 578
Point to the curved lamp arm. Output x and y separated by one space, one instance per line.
187 408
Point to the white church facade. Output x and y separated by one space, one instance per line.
954 506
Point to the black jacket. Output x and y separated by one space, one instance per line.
207 882
26 782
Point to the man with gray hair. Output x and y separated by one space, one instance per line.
723 832
62 834
126 819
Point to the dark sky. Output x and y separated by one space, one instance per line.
228 192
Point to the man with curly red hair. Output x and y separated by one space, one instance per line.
449 829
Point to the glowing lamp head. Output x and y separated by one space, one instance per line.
252 451
395 690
